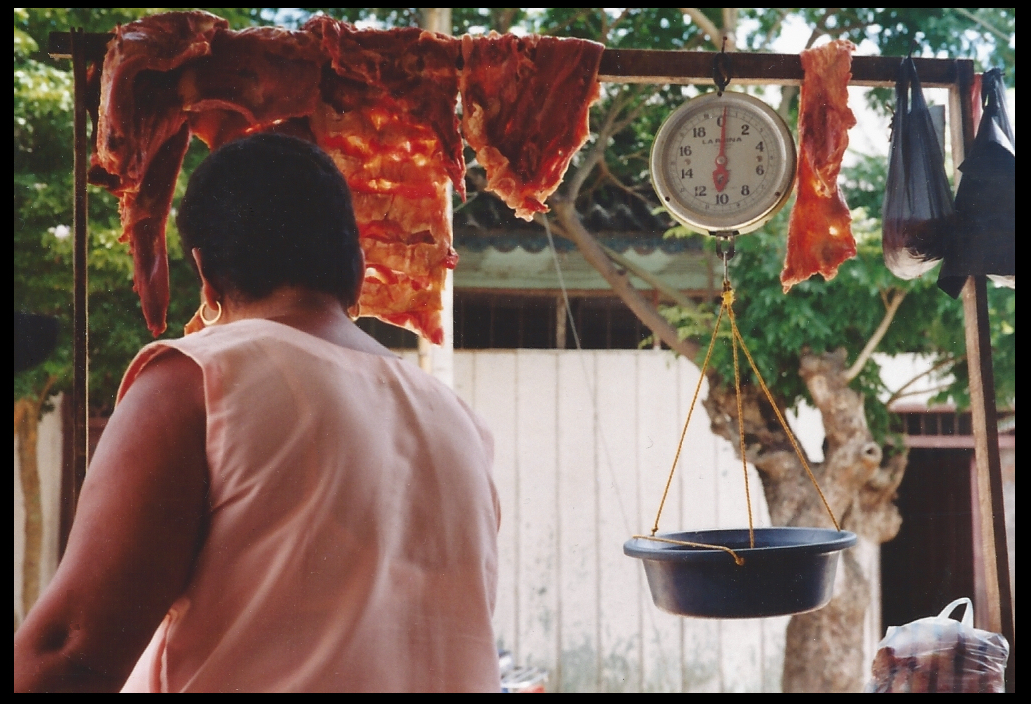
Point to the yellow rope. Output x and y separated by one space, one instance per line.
683 434
728 300
783 422
737 558
727 306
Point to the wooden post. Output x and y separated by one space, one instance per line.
989 512
80 335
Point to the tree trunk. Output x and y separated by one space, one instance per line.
824 649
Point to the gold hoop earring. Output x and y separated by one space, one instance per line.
218 315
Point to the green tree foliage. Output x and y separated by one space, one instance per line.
43 212
822 316
818 315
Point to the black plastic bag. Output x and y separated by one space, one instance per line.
918 211
984 242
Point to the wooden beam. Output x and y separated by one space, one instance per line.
651 66
684 67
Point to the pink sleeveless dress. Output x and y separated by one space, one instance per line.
352 540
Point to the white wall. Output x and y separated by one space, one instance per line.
584 442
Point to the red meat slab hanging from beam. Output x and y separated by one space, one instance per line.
820 227
381 103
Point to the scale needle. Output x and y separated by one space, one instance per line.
720 176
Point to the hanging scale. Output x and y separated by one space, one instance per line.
723 162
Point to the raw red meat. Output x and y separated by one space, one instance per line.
251 80
525 109
381 103
142 137
389 124
139 102
144 214
820 227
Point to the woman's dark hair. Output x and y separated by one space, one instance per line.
271 210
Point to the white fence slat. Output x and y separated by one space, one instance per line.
494 398
697 467
657 427
741 655
578 526
537 565
621 578
465 377
773 633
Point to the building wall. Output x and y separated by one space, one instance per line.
584 443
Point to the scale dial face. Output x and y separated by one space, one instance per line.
723 163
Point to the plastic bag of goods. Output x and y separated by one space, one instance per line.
940 654
918 209
985 240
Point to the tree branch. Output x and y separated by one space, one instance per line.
706 25
899 393
730 28
582 13
818 31
597 150
940 387
649 278
595 256
618 21
875 339
503 19
605 132
633 114
607 174
767 40
977 20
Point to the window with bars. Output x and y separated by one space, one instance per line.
945 423
511 321
519 321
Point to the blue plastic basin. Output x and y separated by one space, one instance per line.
789 571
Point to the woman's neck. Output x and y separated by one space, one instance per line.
314 312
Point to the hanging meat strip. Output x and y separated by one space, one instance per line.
820 228
142 137
381 103
525 109
388 121
252 81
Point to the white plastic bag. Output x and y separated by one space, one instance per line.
940 654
